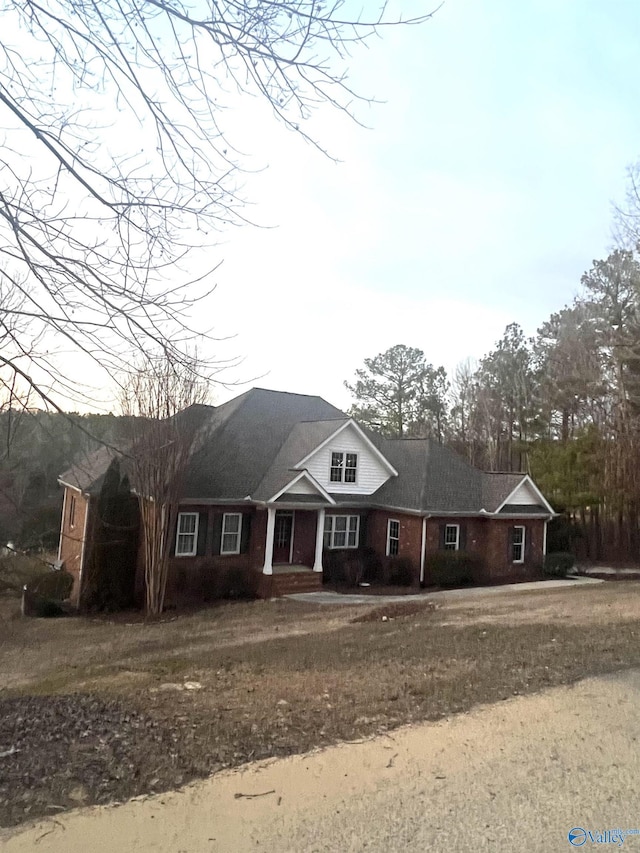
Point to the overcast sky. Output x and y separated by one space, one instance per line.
477 196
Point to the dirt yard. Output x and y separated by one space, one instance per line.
93 710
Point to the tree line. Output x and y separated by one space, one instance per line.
562 405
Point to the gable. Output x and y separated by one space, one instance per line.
303 486
372 469
525 495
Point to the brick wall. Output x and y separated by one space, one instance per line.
409 545
490 539
72 529
499 563
209 575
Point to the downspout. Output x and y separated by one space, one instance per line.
423 546
64 515
544 538
84 544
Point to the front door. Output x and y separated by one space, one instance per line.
282 537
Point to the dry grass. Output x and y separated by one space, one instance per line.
282 677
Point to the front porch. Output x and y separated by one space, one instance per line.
293 552
287 579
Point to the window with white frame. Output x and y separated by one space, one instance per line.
451 537
231 532
341 531
517 544
72 511
187 534
343 467
393 537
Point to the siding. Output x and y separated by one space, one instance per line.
524 495
370 473
302 487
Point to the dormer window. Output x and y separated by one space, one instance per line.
343 467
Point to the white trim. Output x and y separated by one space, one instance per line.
544 539
238 533
523 545
84 542
362 435
194 551
391 521
64 521
423 547
293 530
526 479
312 481
347 531
267 567
317 562
69 486
342 468
457 542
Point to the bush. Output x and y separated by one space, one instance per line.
453 568
558 564
399 571
236 584
43 595
53 585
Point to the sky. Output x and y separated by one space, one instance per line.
473 193
477 195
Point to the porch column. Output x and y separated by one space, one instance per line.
267 568
317 565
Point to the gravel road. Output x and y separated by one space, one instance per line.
518 775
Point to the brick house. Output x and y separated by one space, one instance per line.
280 484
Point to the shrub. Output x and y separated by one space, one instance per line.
453 568
53 585
399 571
236 584
43 595
558 564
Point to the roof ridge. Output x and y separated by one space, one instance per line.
291 393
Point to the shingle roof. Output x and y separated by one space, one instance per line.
299 443
242 440
89 469
247 448
497 487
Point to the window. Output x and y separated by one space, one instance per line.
231 530
451 537
517 544
350 465
341 531
337 460
72 511
343 467
187 535
393 538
